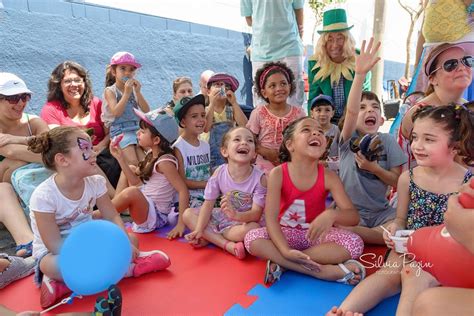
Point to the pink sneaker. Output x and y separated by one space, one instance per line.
52 291
150 261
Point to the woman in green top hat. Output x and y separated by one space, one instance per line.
331 68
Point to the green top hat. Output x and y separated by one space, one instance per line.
335 20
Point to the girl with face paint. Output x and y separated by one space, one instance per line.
65 200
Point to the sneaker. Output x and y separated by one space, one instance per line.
52 291
101 307
150 261
115 300
19 268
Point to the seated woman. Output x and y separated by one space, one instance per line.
71 103
16 127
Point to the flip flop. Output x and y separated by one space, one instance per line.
349 275
272 276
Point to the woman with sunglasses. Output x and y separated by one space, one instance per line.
71 102
15 129
449 71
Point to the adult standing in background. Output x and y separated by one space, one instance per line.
277 28
331 68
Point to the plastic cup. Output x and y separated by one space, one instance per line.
400 239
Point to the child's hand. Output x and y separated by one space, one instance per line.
303 259
367 57
364 163
137 86
177 231
320 226
129 84
392 228
231 97
194 237
135 252
115 149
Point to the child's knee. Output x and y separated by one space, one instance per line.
188 215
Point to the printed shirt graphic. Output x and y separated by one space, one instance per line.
196 161
295 216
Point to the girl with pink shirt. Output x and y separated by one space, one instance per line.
150 189
274 82
300 233
242 188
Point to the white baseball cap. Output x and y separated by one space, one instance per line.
10 84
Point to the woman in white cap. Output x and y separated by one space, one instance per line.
15 129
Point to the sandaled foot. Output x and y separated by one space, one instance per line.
273 272
235 248
24 250
354 272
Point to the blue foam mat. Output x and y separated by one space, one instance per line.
303 295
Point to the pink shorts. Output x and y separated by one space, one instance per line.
296 239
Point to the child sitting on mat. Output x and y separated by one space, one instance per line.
299 233
66 200
242 187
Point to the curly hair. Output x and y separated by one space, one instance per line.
458 121
284 155
55 141
55 93
277 67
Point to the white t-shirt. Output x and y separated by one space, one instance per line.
47 198
196 162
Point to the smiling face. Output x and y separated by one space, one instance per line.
81 159
239 146
194 120
276 89
323 114
335 46
458 79
308 140
72 86
13 110
370 117
431 143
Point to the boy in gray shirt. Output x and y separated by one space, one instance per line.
370 161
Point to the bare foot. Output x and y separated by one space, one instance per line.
201 243
335 312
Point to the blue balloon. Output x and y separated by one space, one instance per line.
94 256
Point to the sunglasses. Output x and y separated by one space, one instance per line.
451 64
14 99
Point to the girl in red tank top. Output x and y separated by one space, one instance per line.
299 233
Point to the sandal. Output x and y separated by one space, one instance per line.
350 275
272 276
28 247
239 249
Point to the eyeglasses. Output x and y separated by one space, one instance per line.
14 99
451 64
69 82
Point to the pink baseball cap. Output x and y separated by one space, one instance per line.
121 58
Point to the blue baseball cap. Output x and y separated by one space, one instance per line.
322 99
164 123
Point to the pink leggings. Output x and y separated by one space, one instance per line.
296 239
